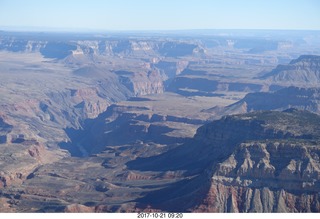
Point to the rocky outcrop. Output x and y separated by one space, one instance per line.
262 125
256 162
300 98
236 199
143 83
170 69
266 177
291 97
304 72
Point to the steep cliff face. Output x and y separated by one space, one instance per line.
275 170
266 177
147 81
291 97
300 98
60 46
256 162
262 125
140 120
304 71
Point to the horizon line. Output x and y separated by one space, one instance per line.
88 30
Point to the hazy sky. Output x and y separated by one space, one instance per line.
160 14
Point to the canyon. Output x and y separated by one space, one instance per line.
182 122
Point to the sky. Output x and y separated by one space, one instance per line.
159 14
